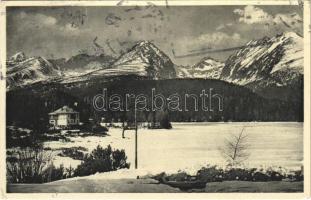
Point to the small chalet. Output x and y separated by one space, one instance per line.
64 117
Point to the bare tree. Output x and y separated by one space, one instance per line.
236 149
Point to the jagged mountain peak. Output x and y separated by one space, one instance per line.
263 41
146 59
207 61
291 34
83 63
284 36
78 56
18 57
31 70
145 48
289 37
207 68
270 59
144 43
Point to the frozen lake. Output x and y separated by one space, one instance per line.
189 146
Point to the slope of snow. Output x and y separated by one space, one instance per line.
18 57
144 59
145 56
15 59
176 149
207 68
277 60
183 72
130 64
85 62
293 52
30 71
91 67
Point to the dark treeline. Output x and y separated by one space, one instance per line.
29 107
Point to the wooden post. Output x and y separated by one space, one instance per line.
135 137
123 129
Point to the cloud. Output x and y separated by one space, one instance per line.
218 37
223 26
255 15
215 40
251 14
30 21
38 19
46 20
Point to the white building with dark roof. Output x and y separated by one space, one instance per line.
64 117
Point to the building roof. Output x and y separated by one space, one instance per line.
63 110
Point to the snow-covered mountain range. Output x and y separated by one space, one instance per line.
147 60
266 62
143 59
24 71
83 62
276 61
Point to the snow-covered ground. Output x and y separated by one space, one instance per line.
189 146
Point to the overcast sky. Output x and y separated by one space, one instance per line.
61 32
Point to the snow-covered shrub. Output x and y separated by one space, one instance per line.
215 174
32 166
102 160
210 174
73 152
180 176
239 174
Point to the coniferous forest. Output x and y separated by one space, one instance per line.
29 106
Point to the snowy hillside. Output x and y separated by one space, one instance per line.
16 58
85 62
144 59
207 68
23 71
274 61
183 71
